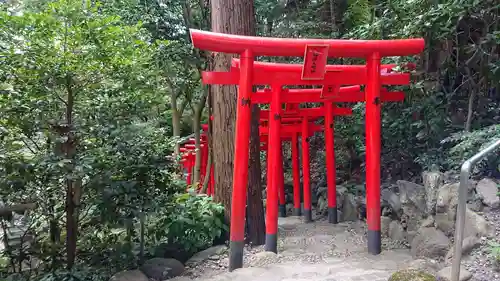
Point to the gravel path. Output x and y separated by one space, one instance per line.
480 262
316 251
325 252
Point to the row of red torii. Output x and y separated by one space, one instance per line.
292 125
278 124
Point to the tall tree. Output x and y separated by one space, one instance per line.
234 17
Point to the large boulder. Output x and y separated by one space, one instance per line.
487 191
411 216
207 254
129 275
413 204
432 181
414 193
322 204
391 199
468 244
349 208
396 231
411 275
162 269
447 199
475 225
430 243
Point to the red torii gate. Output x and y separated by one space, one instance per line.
188 160
331 93
315 52
288 132
294 129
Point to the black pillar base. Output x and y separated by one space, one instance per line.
374 242
332 215
297 212
282 211
236 254
308 216
271 243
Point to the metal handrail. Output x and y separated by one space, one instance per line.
462 203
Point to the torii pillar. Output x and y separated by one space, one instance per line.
373 145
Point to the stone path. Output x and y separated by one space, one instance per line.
318 251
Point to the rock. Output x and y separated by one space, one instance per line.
16 277
396 231
340 216
322 206
448 199
391 199
314 196
413 206
429 266
206 254
129 275
349 208
410 235
161 269
468 244
445 224
411 216
341 193
430 243
445 273
412 192
428 222
476 225
475 205
264 258
487 190
432 181
411 275
384 226
322 190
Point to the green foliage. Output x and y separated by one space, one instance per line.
88 91
465 145
495 254
194 221
82 98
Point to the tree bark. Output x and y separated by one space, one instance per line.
256 232
176 128
233 17
197 135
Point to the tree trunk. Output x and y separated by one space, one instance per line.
232 17
255 210
67 151
197 134
176 127
210 142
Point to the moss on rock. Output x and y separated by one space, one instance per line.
411 275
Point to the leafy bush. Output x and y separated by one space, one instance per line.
464 145
194 221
